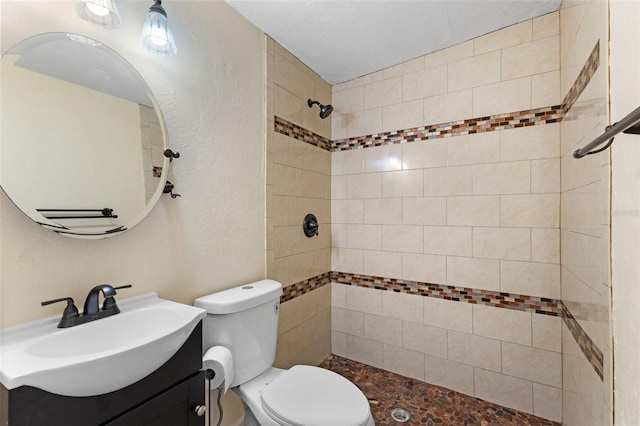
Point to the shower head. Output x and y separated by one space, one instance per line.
325 110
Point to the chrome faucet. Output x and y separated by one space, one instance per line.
91 311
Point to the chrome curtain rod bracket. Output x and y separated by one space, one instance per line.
629 124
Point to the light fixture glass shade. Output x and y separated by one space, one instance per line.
101 12
156 32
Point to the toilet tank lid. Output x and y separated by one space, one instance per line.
240 298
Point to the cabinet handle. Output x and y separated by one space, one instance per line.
200 410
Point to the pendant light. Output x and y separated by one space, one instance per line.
102 12
156 33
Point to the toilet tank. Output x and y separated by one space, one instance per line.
244 319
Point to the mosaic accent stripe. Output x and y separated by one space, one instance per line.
589 348
306 286
588 70
516 302
511 120
292 130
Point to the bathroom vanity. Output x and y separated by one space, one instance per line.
142 366
167 397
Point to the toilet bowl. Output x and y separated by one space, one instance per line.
303 396
244 320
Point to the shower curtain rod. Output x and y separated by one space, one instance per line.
629 124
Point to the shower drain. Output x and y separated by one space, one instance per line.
399 415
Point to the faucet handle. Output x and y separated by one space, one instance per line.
70 311
110 302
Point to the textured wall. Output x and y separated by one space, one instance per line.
212 96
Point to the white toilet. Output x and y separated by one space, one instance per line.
245 320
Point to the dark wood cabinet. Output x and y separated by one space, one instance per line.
167 397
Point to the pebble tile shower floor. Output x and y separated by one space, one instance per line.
426 404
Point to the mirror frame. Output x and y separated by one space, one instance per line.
48 223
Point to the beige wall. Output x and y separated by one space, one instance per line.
298 183
212 95
479 211
586 284
625 217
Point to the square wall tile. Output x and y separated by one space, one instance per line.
547 332
502 178
449 374
475 71
405 183
366 300
547 402
402 361
401 116
383 329
502 243
448 314
402 306
365 237
472 272
448 107
504 390
367 122
448 181
502 97
383 211
502 324
382 263
530 143
348 322
536 57
424 154
422 84
510 36
347 162
383 158
424 267
381 93
473 211
530 210
347 260
448 240
424 339
424 211
533 279
365 351
367 185
537 365
474 350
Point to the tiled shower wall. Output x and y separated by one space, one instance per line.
298 182
586 285
477 207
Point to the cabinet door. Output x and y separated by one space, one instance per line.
175 407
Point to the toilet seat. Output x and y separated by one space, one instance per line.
313 396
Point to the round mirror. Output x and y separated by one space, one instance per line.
82 137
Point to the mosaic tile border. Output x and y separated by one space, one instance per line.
589 348
292 130
305 286
510 120
584 77
516 302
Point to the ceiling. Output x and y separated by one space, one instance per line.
345 39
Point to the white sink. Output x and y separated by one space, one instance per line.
100 356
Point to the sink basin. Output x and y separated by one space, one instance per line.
100 356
